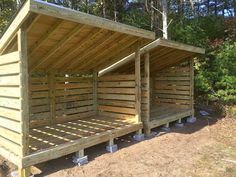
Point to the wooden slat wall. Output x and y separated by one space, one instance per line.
73 97
172 86
60 98
144 98
10 102
39 100
116 96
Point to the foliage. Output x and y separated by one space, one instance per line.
203 23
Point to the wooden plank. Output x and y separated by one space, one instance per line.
10 124
13 80
191 65
117 84
129 104
176 92
117 90
116 97
74 110
51 83
10 113
137 85
147 79
14 103
43 38
83 18
95 91
59 45
9 145
73 85
10 91
10 135
182 97
12 157
9 58
73 92
24 85
10 69
161 78
116 109
126 77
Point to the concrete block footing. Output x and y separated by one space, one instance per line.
191 120
80 160
165 129
138 137
112 148
16 174
177 124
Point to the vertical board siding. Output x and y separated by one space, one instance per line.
10 102
116 96
172 86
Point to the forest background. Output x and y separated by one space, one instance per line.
210 24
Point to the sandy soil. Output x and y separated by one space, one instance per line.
198 149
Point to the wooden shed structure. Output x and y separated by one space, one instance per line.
51 101
167 81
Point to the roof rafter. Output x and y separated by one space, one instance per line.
60 44
45 36
62 58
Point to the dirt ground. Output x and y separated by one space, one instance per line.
206 148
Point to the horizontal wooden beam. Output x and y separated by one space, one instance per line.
77 145
87 19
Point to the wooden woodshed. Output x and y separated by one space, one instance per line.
51 101
167 81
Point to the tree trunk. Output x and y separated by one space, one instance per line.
164 18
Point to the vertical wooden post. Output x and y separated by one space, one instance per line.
24 86
137 85
95 86
51 84
191 65
147 77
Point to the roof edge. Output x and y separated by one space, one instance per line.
14 26
53 10
150 46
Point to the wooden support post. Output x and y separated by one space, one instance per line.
137 85
24 86
191 65
51 83
95 86
110 142
147 77
80 153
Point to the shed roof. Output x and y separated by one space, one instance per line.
162 53
62 39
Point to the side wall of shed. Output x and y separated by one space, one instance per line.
116 96
173 86
57 98
10 102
